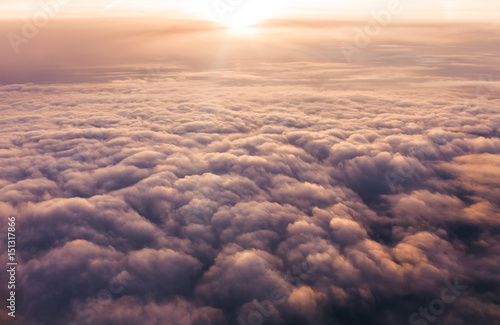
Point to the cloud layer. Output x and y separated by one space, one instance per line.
292 193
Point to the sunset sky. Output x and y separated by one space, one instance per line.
202 9
238 162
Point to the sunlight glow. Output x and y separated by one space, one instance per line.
241 14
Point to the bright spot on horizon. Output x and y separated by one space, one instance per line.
240 15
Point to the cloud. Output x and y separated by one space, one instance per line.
316 189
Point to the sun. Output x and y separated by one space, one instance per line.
242 14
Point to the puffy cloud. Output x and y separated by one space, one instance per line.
304 192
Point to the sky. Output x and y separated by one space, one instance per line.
478 10
251 162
